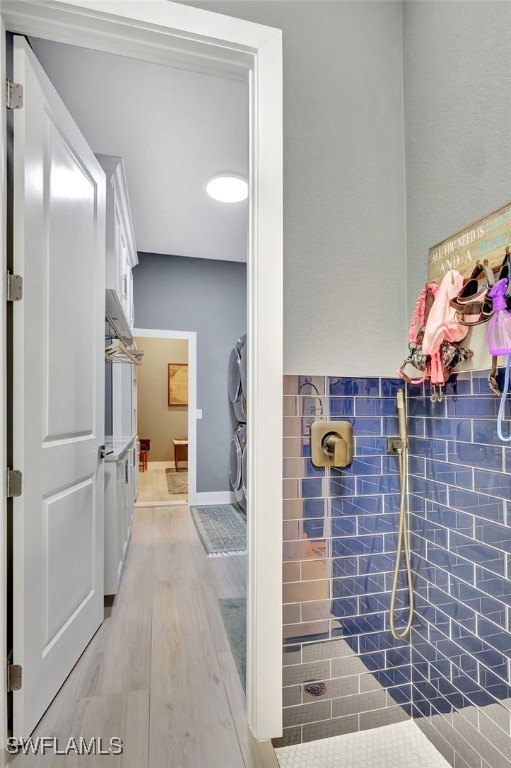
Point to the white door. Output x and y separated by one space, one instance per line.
58 390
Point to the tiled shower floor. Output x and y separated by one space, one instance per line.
402 745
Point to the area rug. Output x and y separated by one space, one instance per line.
177 482
234 615
222 529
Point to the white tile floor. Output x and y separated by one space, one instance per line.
402 745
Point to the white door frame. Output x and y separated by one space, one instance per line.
191 338
180 35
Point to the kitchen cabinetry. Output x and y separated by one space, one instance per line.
124 402
121 252
120 482
121 465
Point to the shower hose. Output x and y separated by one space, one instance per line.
403 548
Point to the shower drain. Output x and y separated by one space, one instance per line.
315 689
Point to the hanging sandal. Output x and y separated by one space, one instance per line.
474 313
472 304
475 286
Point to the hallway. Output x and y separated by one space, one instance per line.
159 674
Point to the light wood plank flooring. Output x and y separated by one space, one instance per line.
152 488
159 673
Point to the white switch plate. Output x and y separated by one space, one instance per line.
198 413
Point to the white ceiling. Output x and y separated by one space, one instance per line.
175 129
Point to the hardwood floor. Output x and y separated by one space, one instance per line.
152 488
159 673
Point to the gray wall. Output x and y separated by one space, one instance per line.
209 297
457 121
344 228
344 204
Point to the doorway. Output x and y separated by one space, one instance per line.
158 29
162 418
166 411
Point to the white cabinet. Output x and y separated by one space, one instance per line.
121 462
123 402
120 479
121 252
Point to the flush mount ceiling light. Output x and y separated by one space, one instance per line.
227 188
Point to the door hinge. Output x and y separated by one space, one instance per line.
14 677
13 95
14 483
14 287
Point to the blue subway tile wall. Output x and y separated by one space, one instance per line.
343 672
460 519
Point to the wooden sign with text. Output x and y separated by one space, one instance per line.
483 241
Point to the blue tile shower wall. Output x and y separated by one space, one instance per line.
460 517
339 550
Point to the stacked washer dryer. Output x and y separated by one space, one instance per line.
237 387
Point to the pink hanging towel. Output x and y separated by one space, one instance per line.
441 324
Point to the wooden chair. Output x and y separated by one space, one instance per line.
145 447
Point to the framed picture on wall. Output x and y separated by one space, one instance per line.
178 384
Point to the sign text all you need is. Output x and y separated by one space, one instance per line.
482 240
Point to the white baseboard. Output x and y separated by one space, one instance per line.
206 498
142 504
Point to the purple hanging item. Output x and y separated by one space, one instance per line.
498 334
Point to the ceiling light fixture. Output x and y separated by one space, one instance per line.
227 188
